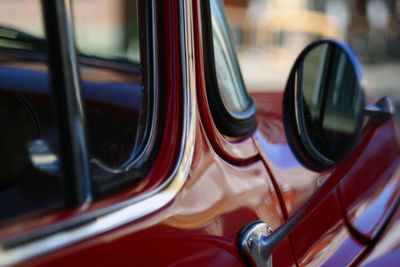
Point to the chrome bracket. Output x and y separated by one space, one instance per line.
251 243
381 111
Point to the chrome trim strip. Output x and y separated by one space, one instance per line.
145 204
381 111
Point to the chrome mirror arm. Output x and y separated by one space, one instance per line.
381 111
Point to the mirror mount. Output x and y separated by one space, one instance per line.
381 111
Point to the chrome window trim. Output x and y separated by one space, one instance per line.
132 209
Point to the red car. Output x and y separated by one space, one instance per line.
135 143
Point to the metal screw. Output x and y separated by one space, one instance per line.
320 181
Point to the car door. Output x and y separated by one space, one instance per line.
80 123
146 176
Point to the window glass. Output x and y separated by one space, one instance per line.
111 31
112 81
24 15
115 100
27 120
229 78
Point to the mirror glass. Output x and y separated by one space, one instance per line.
328 101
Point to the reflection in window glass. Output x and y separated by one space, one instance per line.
26 113
313 71
23 15
230 83
114 98
107 28
113 90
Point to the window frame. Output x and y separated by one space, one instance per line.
228 122
100 180
64 71
107 180
64 66
89 223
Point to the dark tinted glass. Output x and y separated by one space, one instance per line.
332 99
113 89
114 99
27 120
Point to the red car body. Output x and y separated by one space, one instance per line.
204 187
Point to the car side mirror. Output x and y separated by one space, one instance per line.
324 104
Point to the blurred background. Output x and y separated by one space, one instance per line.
270 34
106 28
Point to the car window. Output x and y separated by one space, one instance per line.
233 110
229 77
116 102
112 90
110 32
30 181
116 97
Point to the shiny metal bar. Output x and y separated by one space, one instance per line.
68 99
382 110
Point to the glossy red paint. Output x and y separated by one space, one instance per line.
198 228
323 239
370 189
296 183
386 250
235 181
324 234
